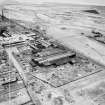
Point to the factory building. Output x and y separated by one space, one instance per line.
55 59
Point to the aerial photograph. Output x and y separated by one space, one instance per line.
52 52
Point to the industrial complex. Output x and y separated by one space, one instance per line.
52 54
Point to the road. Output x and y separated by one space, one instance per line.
22 74
16 64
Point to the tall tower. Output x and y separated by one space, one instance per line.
2 15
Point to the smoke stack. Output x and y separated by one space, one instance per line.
2 15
